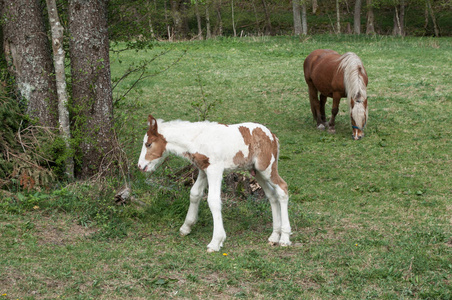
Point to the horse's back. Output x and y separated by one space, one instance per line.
319 59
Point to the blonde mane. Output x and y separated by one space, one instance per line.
355 87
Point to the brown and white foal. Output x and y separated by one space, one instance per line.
214 148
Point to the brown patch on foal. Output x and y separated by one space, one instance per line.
263 148
199 160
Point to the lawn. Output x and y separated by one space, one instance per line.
370 218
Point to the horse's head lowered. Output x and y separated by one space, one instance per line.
358 115
153 150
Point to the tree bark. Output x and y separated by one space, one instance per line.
179 13
338 17
268 23
208 27
219 20
432 15
357 18
399 19
296 17
315 5
27 51
91 84
370 27
198 20
233 18
60 77
304 18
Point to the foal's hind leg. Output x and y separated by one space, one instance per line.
278 196
196 193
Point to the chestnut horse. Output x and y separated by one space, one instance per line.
337 76
214 148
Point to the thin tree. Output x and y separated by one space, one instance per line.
304 18
27 50
60 77
296 7
357 17
370 27
432 15
233 18
399 19
198 19
338 17
208 26
268 23
91 84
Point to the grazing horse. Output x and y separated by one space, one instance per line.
337 76
214 148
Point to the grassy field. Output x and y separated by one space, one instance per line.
370 218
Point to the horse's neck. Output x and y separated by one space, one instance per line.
179 136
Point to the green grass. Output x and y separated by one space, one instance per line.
370 218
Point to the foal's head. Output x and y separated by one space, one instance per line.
153 149
358 115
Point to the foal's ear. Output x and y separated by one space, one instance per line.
152 122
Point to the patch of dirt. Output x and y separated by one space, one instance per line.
61 231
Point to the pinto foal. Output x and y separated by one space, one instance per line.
214 148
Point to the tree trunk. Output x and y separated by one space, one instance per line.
338 18
198 20
357 18
149 16
315 5
370 28
233 19
91 84
257 27
168 27
27 51
60 77
268 23
219 20
432 15
399 19
208 27
304 19
179 13
296 17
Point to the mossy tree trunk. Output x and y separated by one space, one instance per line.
27 51
91 84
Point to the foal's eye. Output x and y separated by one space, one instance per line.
148 145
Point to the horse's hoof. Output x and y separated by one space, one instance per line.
321 127
273 243
331 130
210 250
184 230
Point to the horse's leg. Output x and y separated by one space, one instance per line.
315 105
322 108
196 193
334 111
214 178
279 200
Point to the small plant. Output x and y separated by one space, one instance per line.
203 105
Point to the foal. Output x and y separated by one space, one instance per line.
214 148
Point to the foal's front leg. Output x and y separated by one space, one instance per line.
196 193
214 178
